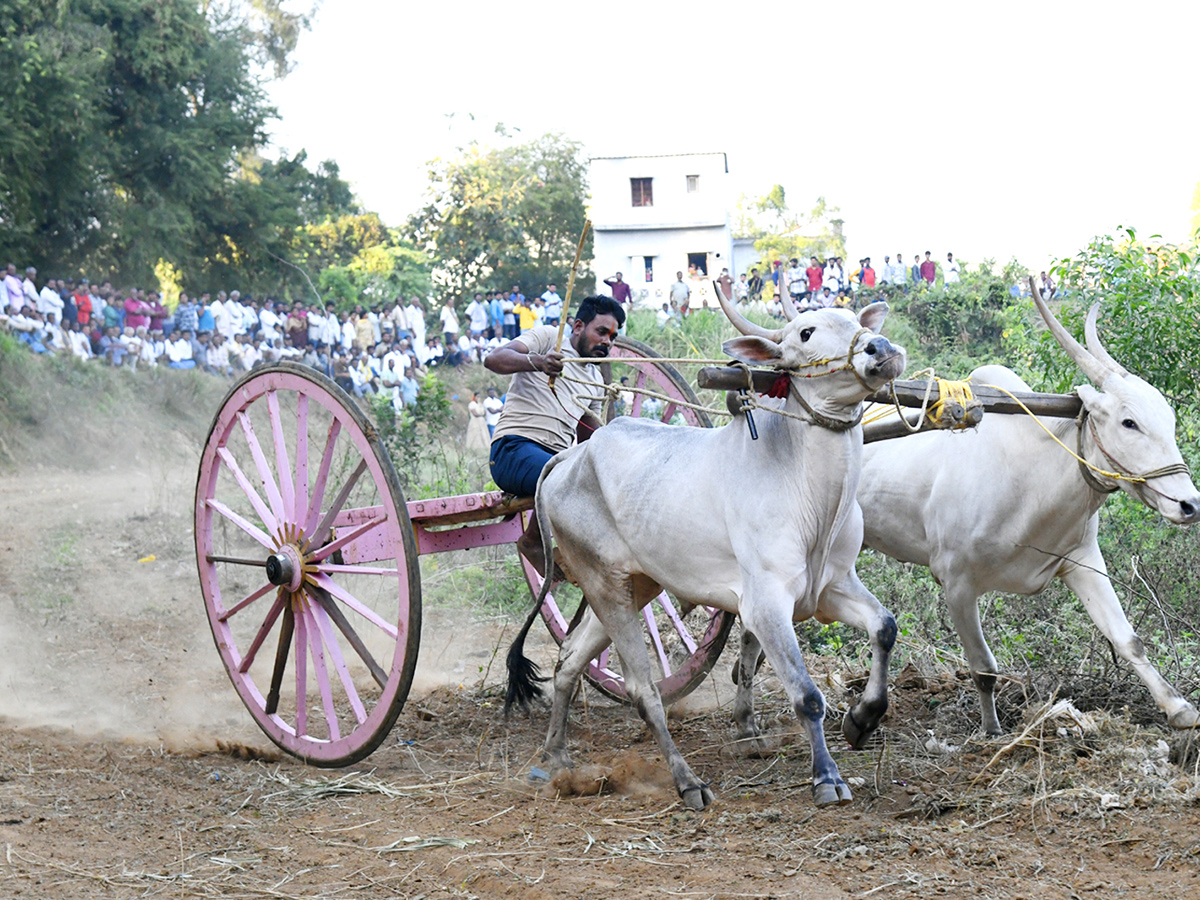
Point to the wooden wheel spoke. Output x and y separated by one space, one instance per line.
681 629
330 607
318 492
669 412
263 631
656 638
321 617
635 409
328 584
283 468
281 655
330 568
322 531
236 560
264 469
301 641
300 496
347 538
242 604
253 530
248 489
316 649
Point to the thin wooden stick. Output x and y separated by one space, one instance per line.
566 308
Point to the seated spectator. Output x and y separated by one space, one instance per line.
179 352
158 346
217 361
435 352
77 340
390 384
29 328
252 354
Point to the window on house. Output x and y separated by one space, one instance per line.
643 193
699 262
693 182
649 261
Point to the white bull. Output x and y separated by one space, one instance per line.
773 530
1005 508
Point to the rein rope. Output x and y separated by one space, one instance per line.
748 402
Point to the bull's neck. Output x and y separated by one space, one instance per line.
807 399
1079 437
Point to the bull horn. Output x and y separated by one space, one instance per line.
1093 342
744 325
1094 369
785 297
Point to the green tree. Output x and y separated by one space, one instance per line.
1149 316
496 217
129 134
781 233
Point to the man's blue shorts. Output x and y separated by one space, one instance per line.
516 463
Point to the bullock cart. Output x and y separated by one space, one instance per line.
308 551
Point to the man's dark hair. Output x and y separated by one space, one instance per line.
600 306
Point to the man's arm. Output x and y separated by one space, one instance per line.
515 357
586 427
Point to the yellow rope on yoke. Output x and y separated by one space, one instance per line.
950 391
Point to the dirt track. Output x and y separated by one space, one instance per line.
112 783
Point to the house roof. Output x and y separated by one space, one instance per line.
720 153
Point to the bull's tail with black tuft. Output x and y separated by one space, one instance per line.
524 675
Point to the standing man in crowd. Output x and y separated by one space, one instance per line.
15 294
816 275
492 406
952 270
620 290
449 321
914 273
756 285
538 421
929 269
553 304
680 293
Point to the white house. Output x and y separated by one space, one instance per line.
654 216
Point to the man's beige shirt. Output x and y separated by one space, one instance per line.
548 417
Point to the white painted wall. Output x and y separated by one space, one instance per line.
677 224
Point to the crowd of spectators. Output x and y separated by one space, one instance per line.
370 349
822 283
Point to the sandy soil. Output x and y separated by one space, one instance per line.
129 768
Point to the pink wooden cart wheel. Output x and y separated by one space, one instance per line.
307 565
683 644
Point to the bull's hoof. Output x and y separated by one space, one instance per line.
856 734
556 760
837 793
697 796
752 744
1185 718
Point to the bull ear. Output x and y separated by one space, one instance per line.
1091 398
752 349
872 316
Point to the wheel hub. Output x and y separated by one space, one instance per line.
284 568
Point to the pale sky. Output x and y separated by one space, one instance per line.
1016 129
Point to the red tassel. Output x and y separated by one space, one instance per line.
779 389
